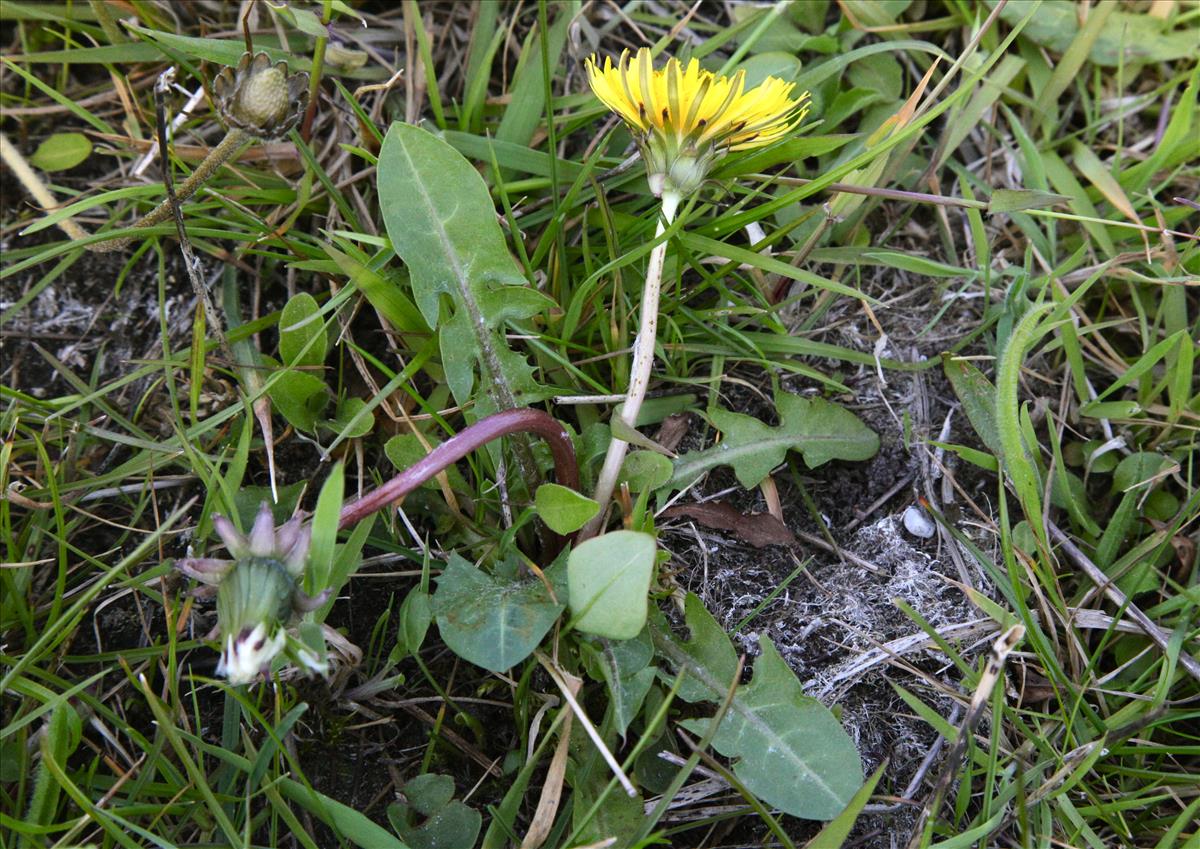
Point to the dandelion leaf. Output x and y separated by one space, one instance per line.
820 430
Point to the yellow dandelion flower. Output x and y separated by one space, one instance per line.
686 118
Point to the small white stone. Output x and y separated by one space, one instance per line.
917 523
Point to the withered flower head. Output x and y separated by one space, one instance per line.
261 98
258 595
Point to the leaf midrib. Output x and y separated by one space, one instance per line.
456 263
738 705
701 461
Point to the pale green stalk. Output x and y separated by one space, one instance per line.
643 365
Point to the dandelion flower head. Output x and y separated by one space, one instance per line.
258 594
685 118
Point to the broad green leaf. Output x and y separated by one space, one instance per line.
710 660
248 500
563 509
821 431
879 72
441 221
625 668
838 829
460 350
519 374
1161 505
811 15
491 622
351 419
302 19
617 817
430 817
792 752
780 36
877 13
1099 464
789 750
775 63
1141 470
846 103
1136 34
302 340
608 578
645 471
416 614
299 396
61 152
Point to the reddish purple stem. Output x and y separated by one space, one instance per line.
469 439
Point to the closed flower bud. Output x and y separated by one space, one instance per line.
261 98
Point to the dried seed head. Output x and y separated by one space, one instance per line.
261 98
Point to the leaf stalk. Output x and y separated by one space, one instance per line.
471 438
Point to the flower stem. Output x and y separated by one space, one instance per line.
643 365
231 144
506 422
